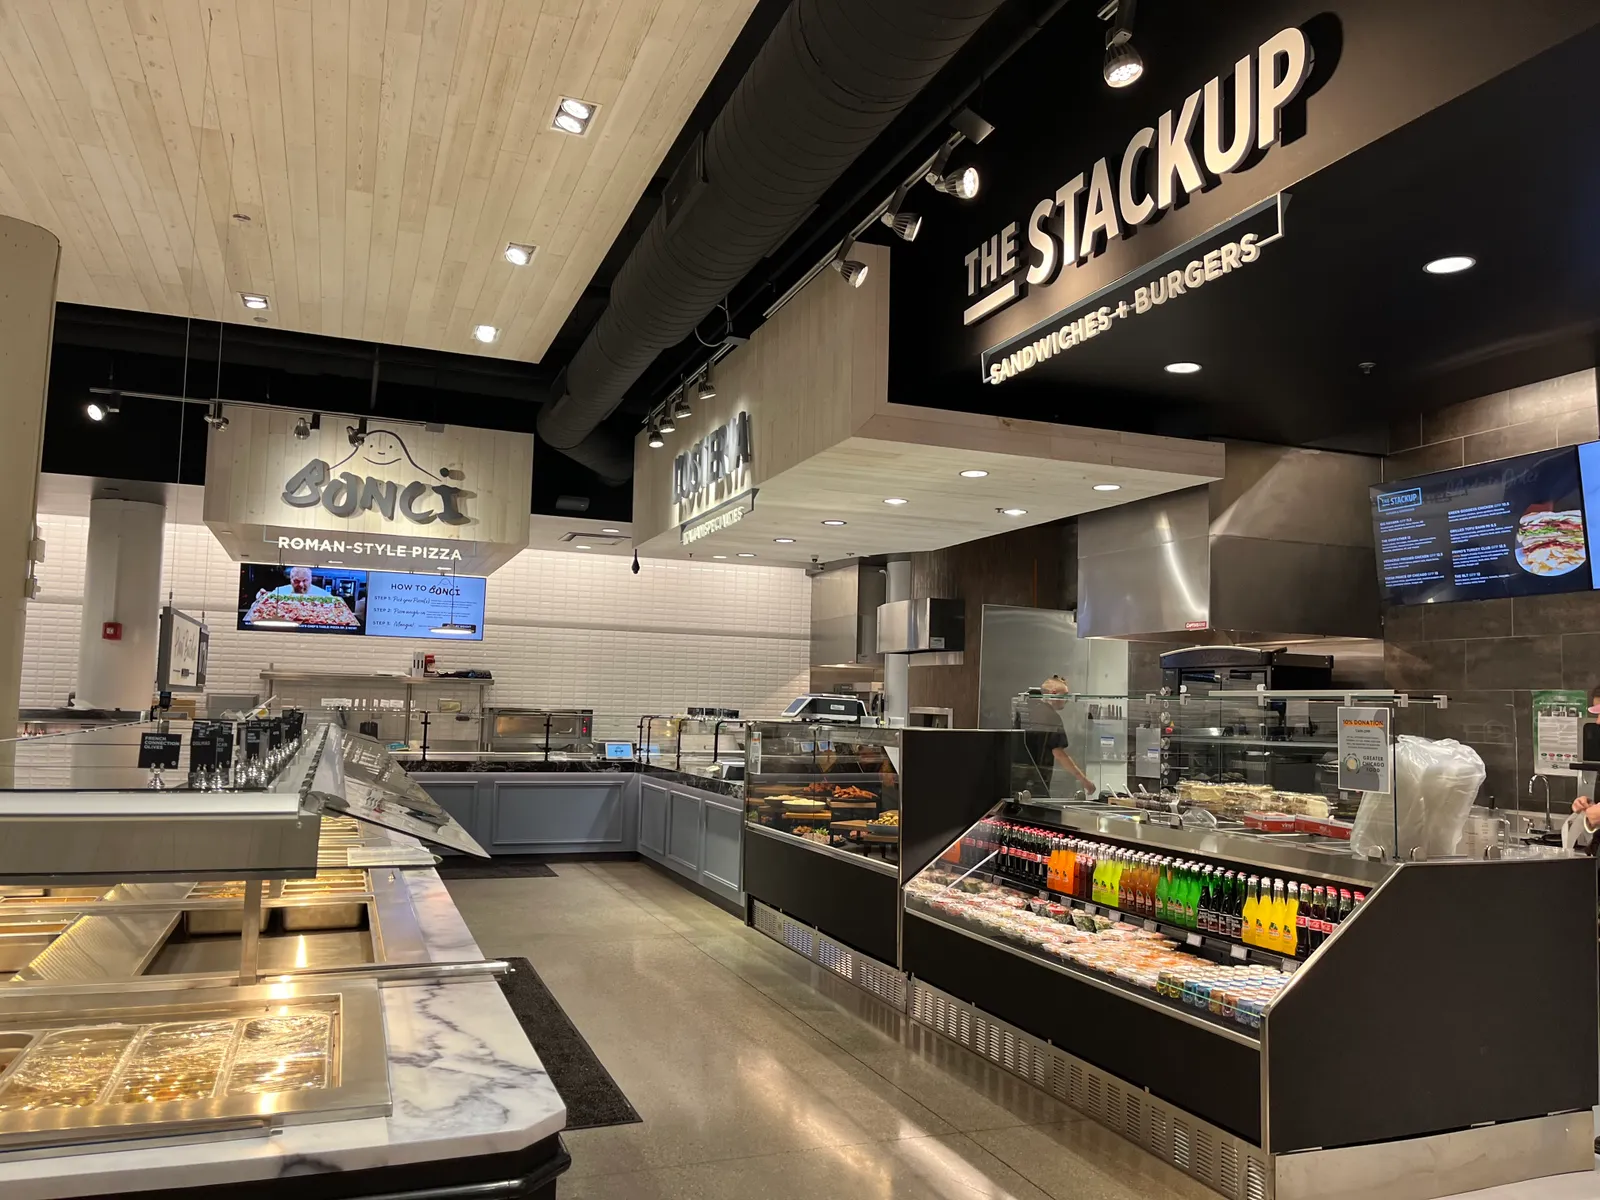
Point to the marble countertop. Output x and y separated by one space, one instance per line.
464 1078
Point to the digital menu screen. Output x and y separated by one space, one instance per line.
302 599
1509 528
426 606
379 603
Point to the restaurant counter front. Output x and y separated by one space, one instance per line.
200 987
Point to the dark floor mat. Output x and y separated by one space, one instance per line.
592 1097
505 866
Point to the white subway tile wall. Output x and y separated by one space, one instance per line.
561 630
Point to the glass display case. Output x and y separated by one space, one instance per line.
836 786
711 746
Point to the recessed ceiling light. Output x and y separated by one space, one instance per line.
254 300
485 333
1450 264
895 500
833 522
611 531
582 547
1182 368
1012 512
974 474
719 556
519 254
1108 487
746 554
573 115
784 541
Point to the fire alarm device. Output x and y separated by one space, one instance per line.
111 631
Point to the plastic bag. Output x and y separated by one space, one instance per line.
1435 784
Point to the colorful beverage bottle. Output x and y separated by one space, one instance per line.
1252 904
1293 922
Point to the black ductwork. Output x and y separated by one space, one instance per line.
829 80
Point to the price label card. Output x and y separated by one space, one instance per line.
1238 952
1290 966
1193 939
1090 909
1149 926
1114 915
160 749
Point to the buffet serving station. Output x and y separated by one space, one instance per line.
200 984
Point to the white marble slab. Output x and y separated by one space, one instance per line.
464 1078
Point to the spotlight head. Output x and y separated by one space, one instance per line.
99 410
655 441
681 410
1123 64
905 225
706 391
215 419
519 254
854 272
667 424
961 184
302 429
357 432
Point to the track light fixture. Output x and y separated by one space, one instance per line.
961 184
681 409
906 225
1123 65
357 432
706 391
99 410
666 424
655 441
215 419
304 426
853 271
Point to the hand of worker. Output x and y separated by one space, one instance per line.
1589 809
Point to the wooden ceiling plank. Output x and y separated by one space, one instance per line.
42 123
364 81
296 91
470 75
402 48
266 133
331 59
442 35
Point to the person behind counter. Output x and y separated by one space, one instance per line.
1046 739
1587 842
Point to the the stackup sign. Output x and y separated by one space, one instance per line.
1158 168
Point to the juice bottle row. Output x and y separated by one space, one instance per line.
1281 916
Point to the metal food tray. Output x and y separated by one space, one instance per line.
332 900
354 1081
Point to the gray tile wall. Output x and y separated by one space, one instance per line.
1490 655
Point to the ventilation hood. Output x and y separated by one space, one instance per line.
1279 549
844 613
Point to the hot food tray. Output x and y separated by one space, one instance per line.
105 1067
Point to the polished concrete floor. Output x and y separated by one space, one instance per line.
759 1076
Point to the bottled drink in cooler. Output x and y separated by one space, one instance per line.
1293 922
1252 902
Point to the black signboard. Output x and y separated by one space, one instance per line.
160 749
1509 528
211 744
255 736
274 733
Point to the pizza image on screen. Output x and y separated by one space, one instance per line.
326 611
1551 543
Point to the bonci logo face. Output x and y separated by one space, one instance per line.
418 499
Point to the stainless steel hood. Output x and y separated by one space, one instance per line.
922 626
1280 548
844 613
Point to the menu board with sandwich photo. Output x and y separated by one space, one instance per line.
1514 527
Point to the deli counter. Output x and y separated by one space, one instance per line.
1209 968
198 984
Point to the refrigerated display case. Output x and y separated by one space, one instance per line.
1128 972
838 816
